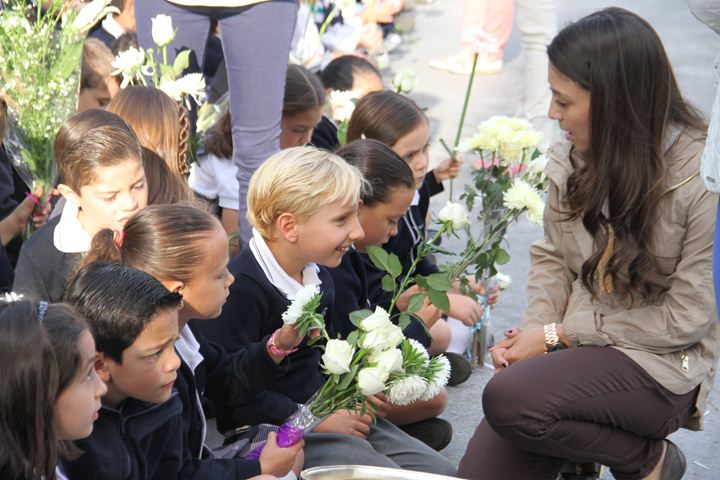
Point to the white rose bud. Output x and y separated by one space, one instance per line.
379 318
391 359
338 356
162 30
404 81
371 380
454 215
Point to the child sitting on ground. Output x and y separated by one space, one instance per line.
303 205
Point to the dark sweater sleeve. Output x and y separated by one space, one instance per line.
434 187
30 276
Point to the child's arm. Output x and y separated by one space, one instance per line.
346 422
279 461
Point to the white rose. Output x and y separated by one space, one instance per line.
454 215
338 356
382 338
391 359
91 14
404 81
371 380
378 319
162 30
342 105
503 281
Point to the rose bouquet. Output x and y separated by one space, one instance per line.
40 53
375 358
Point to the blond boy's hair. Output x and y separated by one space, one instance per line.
299 181
96 64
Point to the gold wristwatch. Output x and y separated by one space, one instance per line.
552 340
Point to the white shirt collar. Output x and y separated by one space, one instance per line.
189 348
416 199
69 235
111 26
275 273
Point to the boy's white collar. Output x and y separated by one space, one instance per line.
275 273
69 235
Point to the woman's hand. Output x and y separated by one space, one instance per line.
522 345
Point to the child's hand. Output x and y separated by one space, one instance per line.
465 309
14 224
346 422
448 168
381 408
278 461
404 298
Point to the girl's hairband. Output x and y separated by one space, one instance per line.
118 237
42 310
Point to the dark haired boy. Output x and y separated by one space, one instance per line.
134 320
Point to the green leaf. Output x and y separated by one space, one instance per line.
394 265
416 302
379 257
352 339
404 321
348 377
439 281
421 281
182 61
388 283
501 257
167 74
439 299
342 132
358 316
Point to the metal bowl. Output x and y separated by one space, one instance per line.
360 472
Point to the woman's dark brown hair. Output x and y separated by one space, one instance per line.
303 91
38 361
384 116
619 59
166 241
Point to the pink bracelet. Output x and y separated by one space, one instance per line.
274 350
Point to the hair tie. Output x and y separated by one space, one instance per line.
42 310
118 237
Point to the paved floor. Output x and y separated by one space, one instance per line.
691 47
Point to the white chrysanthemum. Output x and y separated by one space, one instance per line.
439 370
520 195
536 209
295 309
192 84
406 390
341 104
454 215
419 348
128 63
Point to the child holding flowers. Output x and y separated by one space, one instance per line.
101 177
303 204
185 248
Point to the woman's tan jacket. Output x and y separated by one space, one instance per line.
676 338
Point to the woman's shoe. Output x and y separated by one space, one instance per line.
674 465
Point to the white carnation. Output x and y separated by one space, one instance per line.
295 309
406 390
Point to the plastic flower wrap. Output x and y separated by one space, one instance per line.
40 54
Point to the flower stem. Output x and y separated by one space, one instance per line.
327 21
464 112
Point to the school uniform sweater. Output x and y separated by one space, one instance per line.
42 271
411 229
139 440
252 313
325 135
231 378
351 290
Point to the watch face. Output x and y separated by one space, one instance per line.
556 347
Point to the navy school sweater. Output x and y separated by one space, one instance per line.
234 378
411 229
252 313
138 440
351 290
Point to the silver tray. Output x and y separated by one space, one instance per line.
359 472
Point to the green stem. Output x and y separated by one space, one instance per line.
464 112
418 257
327 21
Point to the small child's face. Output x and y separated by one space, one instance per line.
118 192
380 220
205 295
149 366
326 236
413 148
98 96
297 130
76 408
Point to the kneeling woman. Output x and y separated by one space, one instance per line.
620 290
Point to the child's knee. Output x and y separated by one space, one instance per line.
441 335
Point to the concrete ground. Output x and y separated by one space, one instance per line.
691 47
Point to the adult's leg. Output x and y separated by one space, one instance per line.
407 452
192 26
590 404
256 45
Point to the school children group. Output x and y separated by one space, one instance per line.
136 325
